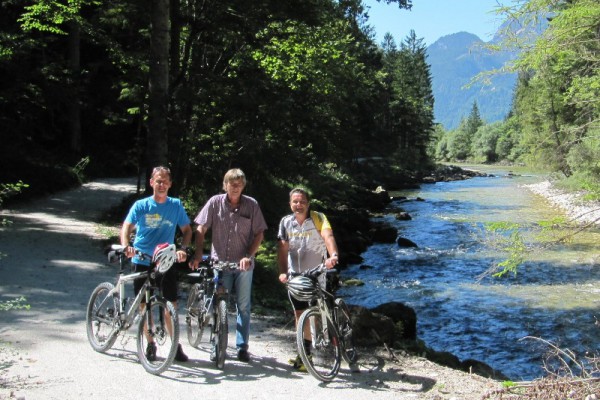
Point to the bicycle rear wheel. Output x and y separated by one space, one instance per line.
195 315
158 325
221 334
102 317
346 333
323 358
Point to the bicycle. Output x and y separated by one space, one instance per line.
329 323
207 306
110 312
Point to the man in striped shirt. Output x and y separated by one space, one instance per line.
238 227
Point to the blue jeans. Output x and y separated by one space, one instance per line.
240 282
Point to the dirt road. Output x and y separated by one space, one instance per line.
52 256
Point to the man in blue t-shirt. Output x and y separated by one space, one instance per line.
155 220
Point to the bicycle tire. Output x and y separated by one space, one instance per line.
324 359
102 317
222 333
195 315
164 333
346 331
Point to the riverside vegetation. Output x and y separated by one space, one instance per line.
267 90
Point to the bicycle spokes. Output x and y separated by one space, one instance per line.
158 337
322 358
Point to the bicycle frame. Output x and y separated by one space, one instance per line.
110 313
213 288
126 317
327 318
207 306
322 304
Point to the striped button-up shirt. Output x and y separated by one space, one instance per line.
233 229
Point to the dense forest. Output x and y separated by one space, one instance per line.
293 92
554 120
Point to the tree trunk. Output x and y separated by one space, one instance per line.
157 147
73 105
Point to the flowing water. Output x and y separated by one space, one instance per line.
554 295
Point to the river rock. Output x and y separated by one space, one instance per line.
383 233
400 312
403 216
371 329
404 242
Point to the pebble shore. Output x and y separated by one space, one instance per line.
575 207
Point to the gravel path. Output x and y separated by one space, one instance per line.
53 257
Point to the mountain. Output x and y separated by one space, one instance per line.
455 60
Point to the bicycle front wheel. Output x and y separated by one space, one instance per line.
221 334
102 317
158 336
346 332
195 315
322 359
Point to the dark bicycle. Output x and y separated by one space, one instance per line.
110 313
207 307
327 320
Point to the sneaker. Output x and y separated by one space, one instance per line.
243 355
151 352
297 364
180 355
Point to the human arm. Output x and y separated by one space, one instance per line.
246 263
327 235
199 244
126 231
186 231
283 248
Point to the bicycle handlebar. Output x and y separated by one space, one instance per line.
315 271
118 250
224 265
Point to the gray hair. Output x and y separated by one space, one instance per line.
233 175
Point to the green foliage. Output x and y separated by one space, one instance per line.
16 304
6 191
80 167
296 53
552 124
267 291
484 143
288 91
407 123
10 189
559 78
507 237
516 242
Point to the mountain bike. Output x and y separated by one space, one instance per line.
327 320
207 307
110 312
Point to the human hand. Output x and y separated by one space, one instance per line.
194 262
181 255
129 251
331 261
283 278
247 263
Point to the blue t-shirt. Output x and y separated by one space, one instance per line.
155 223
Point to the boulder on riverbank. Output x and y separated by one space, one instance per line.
394 325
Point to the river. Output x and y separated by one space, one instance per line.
554 295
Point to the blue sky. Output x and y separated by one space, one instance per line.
432 19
